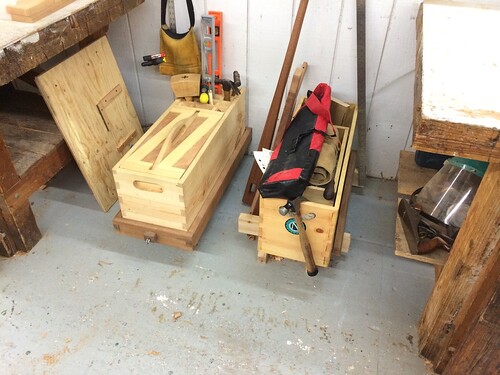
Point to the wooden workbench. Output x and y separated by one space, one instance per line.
31 148
457 112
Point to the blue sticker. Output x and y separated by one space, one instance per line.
291 226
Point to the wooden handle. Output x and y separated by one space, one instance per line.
148 186
311 268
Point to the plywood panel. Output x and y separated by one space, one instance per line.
73 90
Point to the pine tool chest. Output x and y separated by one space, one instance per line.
278 235
171 180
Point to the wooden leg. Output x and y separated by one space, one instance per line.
437 271
18 229
468 278
262 257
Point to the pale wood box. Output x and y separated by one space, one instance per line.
276 233
166 177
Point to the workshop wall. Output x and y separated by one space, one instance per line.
255 39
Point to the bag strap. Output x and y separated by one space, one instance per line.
189 4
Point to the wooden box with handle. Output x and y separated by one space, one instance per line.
168 176
278 235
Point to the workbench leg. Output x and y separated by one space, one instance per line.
18 229
468 277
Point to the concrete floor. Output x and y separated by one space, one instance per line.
86 300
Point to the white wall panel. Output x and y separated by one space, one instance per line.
317 41
343 67
389 113
269 26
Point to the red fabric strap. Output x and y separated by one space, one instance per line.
288 174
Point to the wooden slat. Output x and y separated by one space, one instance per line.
33 10
72 91
453 113
248 224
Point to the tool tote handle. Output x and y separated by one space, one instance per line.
173 34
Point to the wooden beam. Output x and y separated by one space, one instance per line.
480 351
466 276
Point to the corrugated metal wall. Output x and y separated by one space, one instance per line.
256 35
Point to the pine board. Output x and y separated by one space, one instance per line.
72 90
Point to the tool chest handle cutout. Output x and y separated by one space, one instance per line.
182 53
292 162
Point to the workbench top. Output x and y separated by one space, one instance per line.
24 46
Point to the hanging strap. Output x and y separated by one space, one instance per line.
189 4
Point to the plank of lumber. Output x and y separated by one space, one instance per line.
33 10
472 262
73 89
248 224
457 79
411 176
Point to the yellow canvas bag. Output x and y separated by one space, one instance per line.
182 53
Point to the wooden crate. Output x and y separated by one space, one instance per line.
167 176
277 235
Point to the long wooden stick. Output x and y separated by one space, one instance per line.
272 117
305 245
286 117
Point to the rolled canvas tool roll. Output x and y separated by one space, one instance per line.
325 166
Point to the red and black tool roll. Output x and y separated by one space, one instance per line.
293 161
